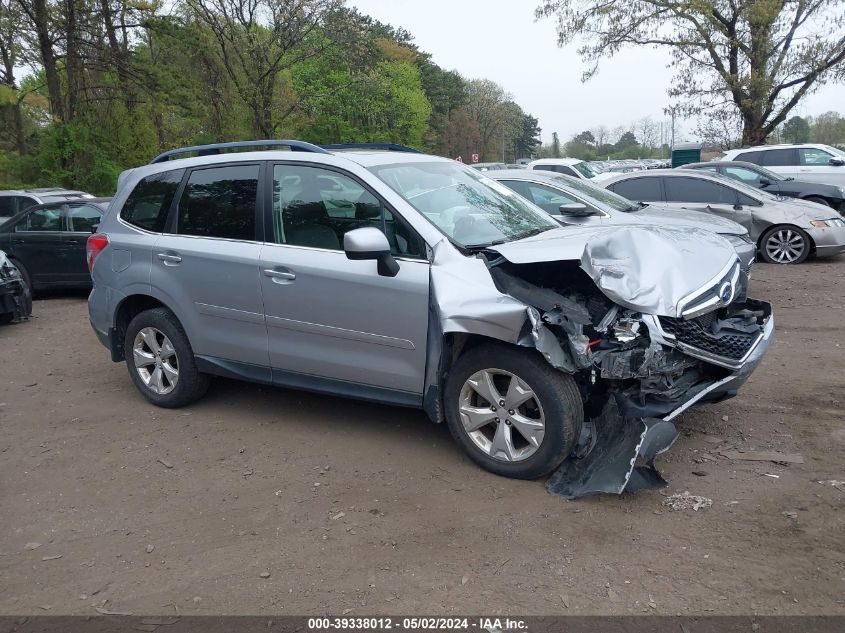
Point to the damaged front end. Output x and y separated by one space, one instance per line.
641 345
15 296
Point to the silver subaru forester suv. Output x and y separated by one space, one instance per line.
408 279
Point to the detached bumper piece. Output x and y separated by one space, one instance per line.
621 457
15 301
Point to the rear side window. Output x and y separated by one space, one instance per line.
148 204
640 189
780 157
8 208
83 218
697 190
220 202
751 157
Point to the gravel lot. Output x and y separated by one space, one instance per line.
364 509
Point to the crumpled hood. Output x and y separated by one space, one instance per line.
687 218
645 268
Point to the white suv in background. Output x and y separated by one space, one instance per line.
811 161
574 167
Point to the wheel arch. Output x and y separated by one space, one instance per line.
452 346
126 310
785 225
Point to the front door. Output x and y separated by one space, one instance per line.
37 243
329 317
702 195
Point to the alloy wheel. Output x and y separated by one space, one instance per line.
502 415
785 246
155 360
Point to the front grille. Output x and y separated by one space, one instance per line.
699 333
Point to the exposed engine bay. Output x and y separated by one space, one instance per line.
635 371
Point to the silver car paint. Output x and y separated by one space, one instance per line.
757 219
339 319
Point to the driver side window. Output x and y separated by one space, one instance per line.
46 219
743 175
315 207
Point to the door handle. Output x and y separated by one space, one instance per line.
71 241
279 276
169 260
17 241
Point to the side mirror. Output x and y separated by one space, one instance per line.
95 227
765 182
576 210
370 243
837 162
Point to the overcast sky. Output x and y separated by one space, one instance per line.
500 40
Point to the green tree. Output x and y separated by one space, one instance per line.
527 141
828 128
758 58
796 130
555 145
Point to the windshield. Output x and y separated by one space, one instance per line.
767 173
585 169
835 150
468 207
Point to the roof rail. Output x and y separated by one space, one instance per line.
215 148
392 147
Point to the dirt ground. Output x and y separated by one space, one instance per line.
355 508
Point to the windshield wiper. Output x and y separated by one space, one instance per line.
505 240
530 233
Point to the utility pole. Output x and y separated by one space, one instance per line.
672 111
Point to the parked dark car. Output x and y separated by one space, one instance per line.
47 242
767 180
15 296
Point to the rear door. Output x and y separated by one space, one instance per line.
331 320
206 264
815 166
781 161
80 221
36 241
702 195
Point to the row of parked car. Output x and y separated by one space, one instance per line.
783 220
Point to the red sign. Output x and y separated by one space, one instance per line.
475 158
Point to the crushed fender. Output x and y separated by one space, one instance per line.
621 457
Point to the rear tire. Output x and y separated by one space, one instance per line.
521 436
161 361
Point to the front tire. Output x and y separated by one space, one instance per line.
160 360
511 412
785 245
